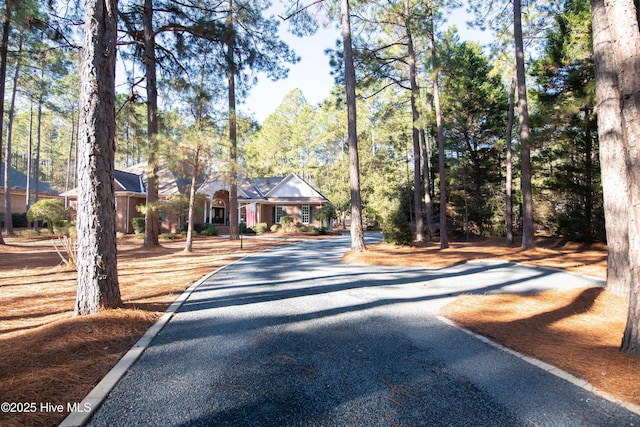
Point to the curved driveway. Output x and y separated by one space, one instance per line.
294 337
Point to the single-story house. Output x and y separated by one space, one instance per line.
260 200
130 192
18 191
264 200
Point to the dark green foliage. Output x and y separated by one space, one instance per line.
475 111
322 231
64 227
138 224
397 230
204 229
208 230
326 213
260 228
48 210
571 225
19 220
566 127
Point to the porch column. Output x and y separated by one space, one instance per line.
210 208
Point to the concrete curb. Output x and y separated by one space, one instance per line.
95 398
578 382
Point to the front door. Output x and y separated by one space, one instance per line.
218 215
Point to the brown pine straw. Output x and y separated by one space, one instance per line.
49 356
578 330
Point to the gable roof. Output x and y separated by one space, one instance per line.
170 183
129 182
265 185
293 186
18 181
133 180
289 189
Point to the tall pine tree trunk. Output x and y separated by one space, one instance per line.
4 51
623 25
151 226
528 235
612 154
8 220
444 238
415 133
36 161
509 163
426 177
357 230
67 178
188 247
96 220
27 201
234 231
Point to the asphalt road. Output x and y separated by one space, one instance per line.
294 337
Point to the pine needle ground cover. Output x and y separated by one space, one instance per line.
577 330
49 356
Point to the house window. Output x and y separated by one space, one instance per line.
306 214
280 212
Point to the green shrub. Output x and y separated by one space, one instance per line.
275 228
287 223
198 227
167 236
208 230
64 228
48 210
573 226
260 227
29 233
138 224
326 213
245 230
19 220
397 230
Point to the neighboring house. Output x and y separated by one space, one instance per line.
130 192
18 191
261 200
173 186
264 200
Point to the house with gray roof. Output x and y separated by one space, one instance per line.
264 200
18 191
131 192
259 200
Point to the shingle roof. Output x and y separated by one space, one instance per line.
129 181
170 182
291 188
18 180
264 185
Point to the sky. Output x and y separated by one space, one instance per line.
312 73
